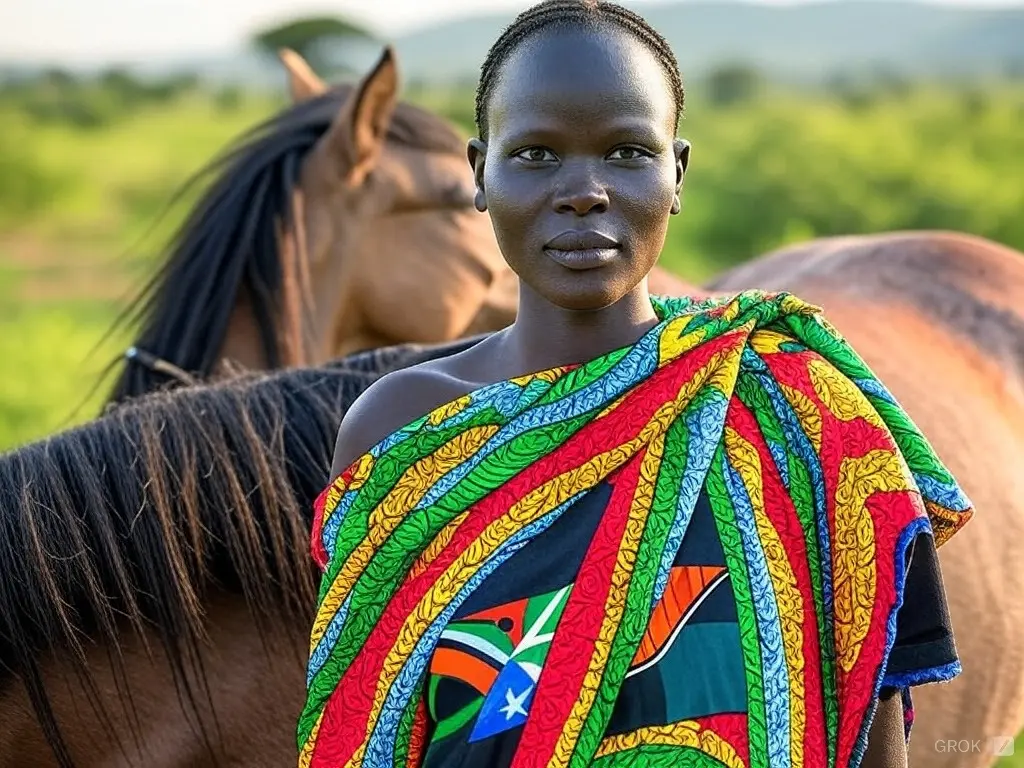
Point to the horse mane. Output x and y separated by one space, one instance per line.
229 241
132 520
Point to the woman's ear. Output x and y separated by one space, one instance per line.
477 154
682 153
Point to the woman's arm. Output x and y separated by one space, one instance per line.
887 746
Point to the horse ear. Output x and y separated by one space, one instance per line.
303 82
358 133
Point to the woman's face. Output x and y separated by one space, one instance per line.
581 168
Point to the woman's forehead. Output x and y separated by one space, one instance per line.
581 73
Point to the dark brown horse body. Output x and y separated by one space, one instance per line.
167 542
156 588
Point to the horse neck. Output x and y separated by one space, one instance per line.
255 681
279 336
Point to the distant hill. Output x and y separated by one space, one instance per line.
802 42
806 42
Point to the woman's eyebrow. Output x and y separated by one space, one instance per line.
615 131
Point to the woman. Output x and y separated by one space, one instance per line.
682 540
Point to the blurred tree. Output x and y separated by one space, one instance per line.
228 99
976 100
59 77
889 81
310 37
735 83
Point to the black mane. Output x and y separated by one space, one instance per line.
132 520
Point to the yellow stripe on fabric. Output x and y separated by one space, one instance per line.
672 343
551 375
732 310
840 395
949 522
853 554
807 413
767 342
615 603
744 458
686 733
446 411
407 492
360 470
723 377
306 754
793 305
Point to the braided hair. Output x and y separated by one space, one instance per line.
552 13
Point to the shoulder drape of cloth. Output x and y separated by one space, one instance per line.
818 482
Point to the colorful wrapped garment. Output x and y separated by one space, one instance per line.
746 426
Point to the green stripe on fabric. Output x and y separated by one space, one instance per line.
583 376
659 756
453 723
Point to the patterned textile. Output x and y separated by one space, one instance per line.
817 483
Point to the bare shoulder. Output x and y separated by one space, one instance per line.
391 402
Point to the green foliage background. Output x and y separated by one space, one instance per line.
86 170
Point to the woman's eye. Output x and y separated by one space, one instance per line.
628 153
537 155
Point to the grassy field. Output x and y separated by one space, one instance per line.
81 197
70 262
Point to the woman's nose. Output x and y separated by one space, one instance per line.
581 193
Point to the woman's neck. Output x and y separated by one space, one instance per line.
545 336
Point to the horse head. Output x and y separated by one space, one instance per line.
344 222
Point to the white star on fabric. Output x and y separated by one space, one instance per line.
514 704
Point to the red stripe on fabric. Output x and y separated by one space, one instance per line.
316 536
732 728
346 712
572 647
316 545
418 737
782 514
891 513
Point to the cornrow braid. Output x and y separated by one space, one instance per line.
564 12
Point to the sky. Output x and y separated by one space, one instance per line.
92 32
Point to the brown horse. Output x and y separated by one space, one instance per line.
279 263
